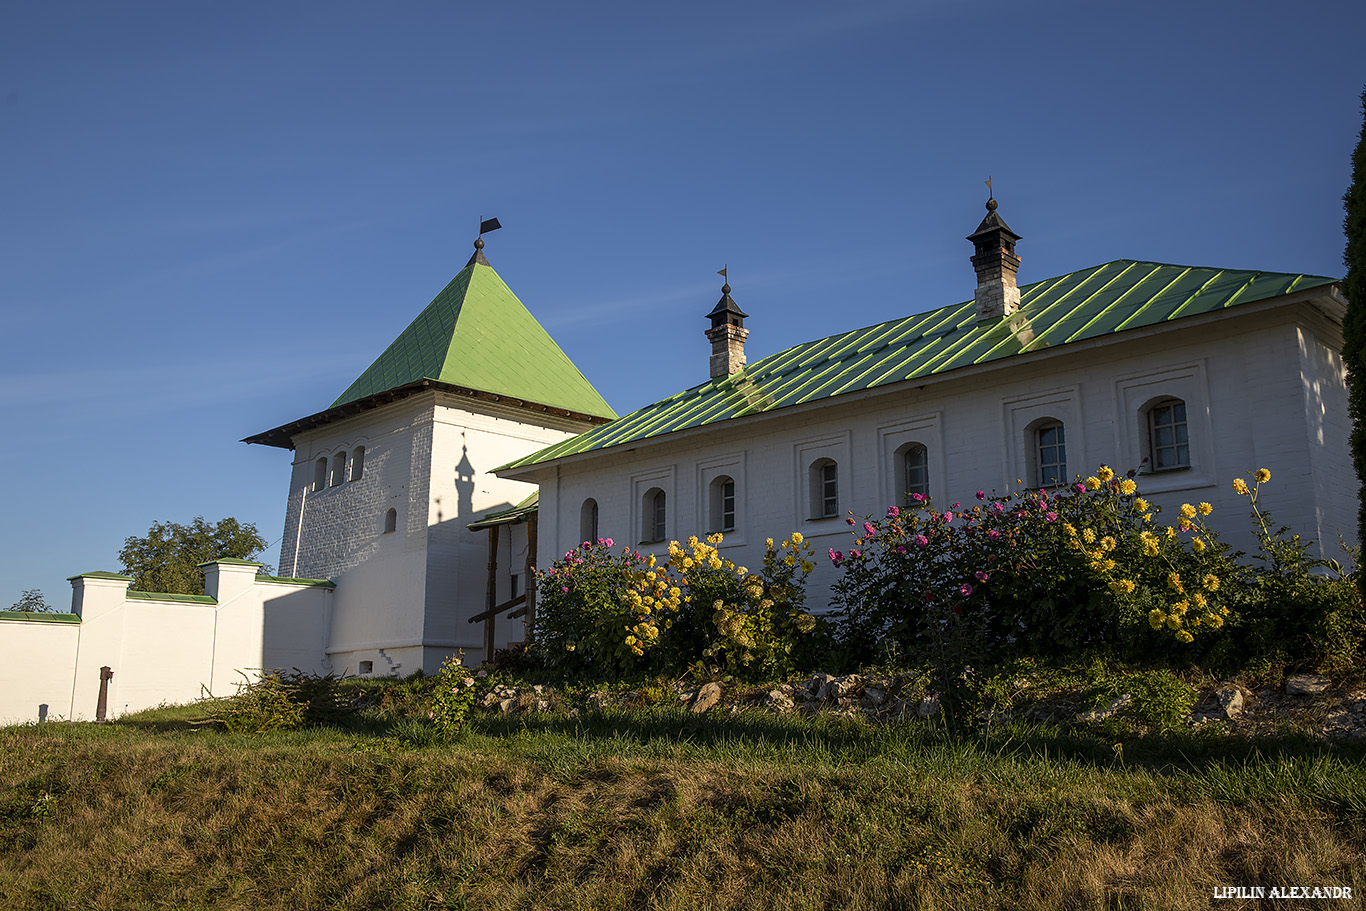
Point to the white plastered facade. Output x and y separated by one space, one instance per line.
1263 386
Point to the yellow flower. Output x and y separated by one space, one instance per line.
1211 582
1105 474
1240 486
1184 636
1156 618
1127 486
1088 535
1215 620
1180 608
797 537
1199 599
790 560
741 571
1184 524
1107 565
714 562
651 561
1070 528
1173 621
1188 510
1174 582
1171 532
714 538
1263 476
631 640
1122 586
1205 509
1140 505
807 566
1093 483
1197 545
1108 543
768 542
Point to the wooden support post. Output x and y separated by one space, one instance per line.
492 619
530 576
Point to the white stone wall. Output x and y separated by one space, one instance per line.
163 650
1245 381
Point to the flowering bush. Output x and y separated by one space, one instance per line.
1029 572
603 612
454 693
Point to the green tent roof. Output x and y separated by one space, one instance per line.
476 334
1071 308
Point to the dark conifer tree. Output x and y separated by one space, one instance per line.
1354 326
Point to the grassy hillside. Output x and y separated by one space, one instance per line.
659 808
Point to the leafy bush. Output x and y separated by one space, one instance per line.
455 689
602 613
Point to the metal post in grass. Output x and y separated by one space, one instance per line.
102 706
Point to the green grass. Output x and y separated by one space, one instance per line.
657 808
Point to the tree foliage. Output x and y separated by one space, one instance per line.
33 602
1354 326
167 559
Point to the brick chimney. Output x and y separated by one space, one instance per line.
727 334
994 259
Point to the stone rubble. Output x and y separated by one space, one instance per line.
1306 702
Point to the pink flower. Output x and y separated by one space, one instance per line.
1050 517
836 557
981 494
1000 507
586 544
900 549
922 540
850 521
948 516
565 589
854 554
893 512
918 497
965 589
607 541
981 576
1081 488
869 530
993 534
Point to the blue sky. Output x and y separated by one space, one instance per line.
214 216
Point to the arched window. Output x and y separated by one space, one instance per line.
320 474
915 471
588 520
357 463
654 524
825 489
721 511
391 521
1050 452
1168 437
339 469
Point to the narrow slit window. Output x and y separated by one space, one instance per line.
1051 446
915 471
358 463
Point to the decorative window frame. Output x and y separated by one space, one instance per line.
731 465
1135 394
642 483
805 454
1023 414
925 430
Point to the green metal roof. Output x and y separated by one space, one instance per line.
478 335
1058 311
168 596
511 516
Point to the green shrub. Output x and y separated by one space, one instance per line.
454 691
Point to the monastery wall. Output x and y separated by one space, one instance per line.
162 649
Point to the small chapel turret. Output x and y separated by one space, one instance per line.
727 334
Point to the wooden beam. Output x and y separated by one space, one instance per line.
491 618
530 575
505 606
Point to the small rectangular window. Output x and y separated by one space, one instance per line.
728 506
1169 436
1052 455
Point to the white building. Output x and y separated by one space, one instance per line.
1192 375
420 498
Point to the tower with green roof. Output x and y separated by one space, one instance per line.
386 478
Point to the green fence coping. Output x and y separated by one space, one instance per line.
290 580
163 596
39 616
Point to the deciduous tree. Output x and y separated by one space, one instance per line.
167 559
33 602
1354 326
